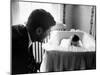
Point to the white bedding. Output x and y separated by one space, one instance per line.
60 40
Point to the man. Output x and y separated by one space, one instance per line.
39 22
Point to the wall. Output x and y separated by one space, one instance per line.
15 11
21 11
78 17
68 16
84 18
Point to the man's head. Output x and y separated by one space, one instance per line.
75 40
39 22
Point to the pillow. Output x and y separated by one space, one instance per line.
88 42
65 43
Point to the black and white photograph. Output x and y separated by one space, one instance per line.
49 37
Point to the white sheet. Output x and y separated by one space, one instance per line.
87 42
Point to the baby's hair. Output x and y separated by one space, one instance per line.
75 38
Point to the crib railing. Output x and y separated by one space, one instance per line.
38 51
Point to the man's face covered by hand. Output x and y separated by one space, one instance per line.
38 34
39 22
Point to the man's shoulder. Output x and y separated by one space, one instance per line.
18 30
18 27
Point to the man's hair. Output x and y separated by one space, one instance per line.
75 38
40 18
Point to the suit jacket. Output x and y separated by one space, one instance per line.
22 57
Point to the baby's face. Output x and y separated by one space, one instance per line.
75 43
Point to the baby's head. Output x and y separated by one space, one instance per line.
75 40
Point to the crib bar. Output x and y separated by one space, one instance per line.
38 51
35 50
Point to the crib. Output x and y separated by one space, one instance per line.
38 53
